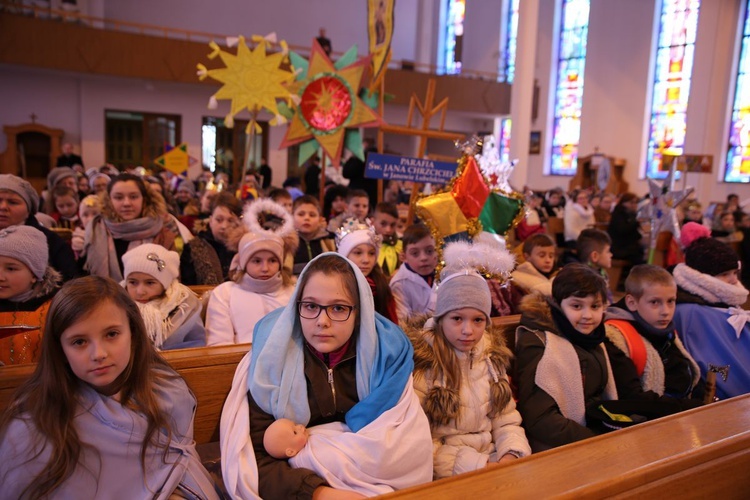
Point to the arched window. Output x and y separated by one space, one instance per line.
671 88
738 155
571 62
507 62
450 44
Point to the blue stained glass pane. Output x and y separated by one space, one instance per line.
508 63
737 168
569 89
671 88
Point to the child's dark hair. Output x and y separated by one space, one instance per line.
277 194
578 280
332 265
333 192
414 234
356 193
49 397
229 201
306 200
382 294
387 208
590 241
537 240
644 274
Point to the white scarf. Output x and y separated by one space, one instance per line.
162 316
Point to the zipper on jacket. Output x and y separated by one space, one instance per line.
333 387
471 358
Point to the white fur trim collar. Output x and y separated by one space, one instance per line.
708 287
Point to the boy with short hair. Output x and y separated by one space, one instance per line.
313 237
385 219
565 368
412 285
641 326
357 206
282 197
594 250
535 274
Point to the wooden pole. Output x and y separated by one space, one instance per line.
322 179
249 144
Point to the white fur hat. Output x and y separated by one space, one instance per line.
354 233
154 260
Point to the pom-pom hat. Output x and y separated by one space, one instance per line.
154 260
27 245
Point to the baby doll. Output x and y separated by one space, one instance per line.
284 438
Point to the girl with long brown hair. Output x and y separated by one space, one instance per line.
103 414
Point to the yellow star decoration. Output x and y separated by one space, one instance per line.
252 79
326 104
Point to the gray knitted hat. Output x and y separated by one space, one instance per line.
187 185
28 245
22 188
463 289
59 173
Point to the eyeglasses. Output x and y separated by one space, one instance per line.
335 312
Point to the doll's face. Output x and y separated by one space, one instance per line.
284 438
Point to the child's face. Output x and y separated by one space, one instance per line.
286 202
66 206
602 259
127 200
86 214
421 256
584 313
183 195
306 218
656 305
15 278
83 185
322 333
143 287
364 257
695 214
554 199
463 328
222 222
730 277
385 224
542 258
263 265
359 206
583 199
97 346
339 204
727 222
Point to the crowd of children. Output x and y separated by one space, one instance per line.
332 382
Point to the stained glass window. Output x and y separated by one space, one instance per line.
507 61
569 89
738 156
454 34
505 125
674 65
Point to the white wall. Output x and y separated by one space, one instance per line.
617 75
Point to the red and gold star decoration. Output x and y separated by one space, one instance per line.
468 206
251 79
326 104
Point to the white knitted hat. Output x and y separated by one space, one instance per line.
27 245
154 260
353 233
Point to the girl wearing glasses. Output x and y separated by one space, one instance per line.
261 281
327 358
170 310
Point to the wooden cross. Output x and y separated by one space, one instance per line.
427 110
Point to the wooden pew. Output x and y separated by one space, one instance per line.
694 454
208 372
